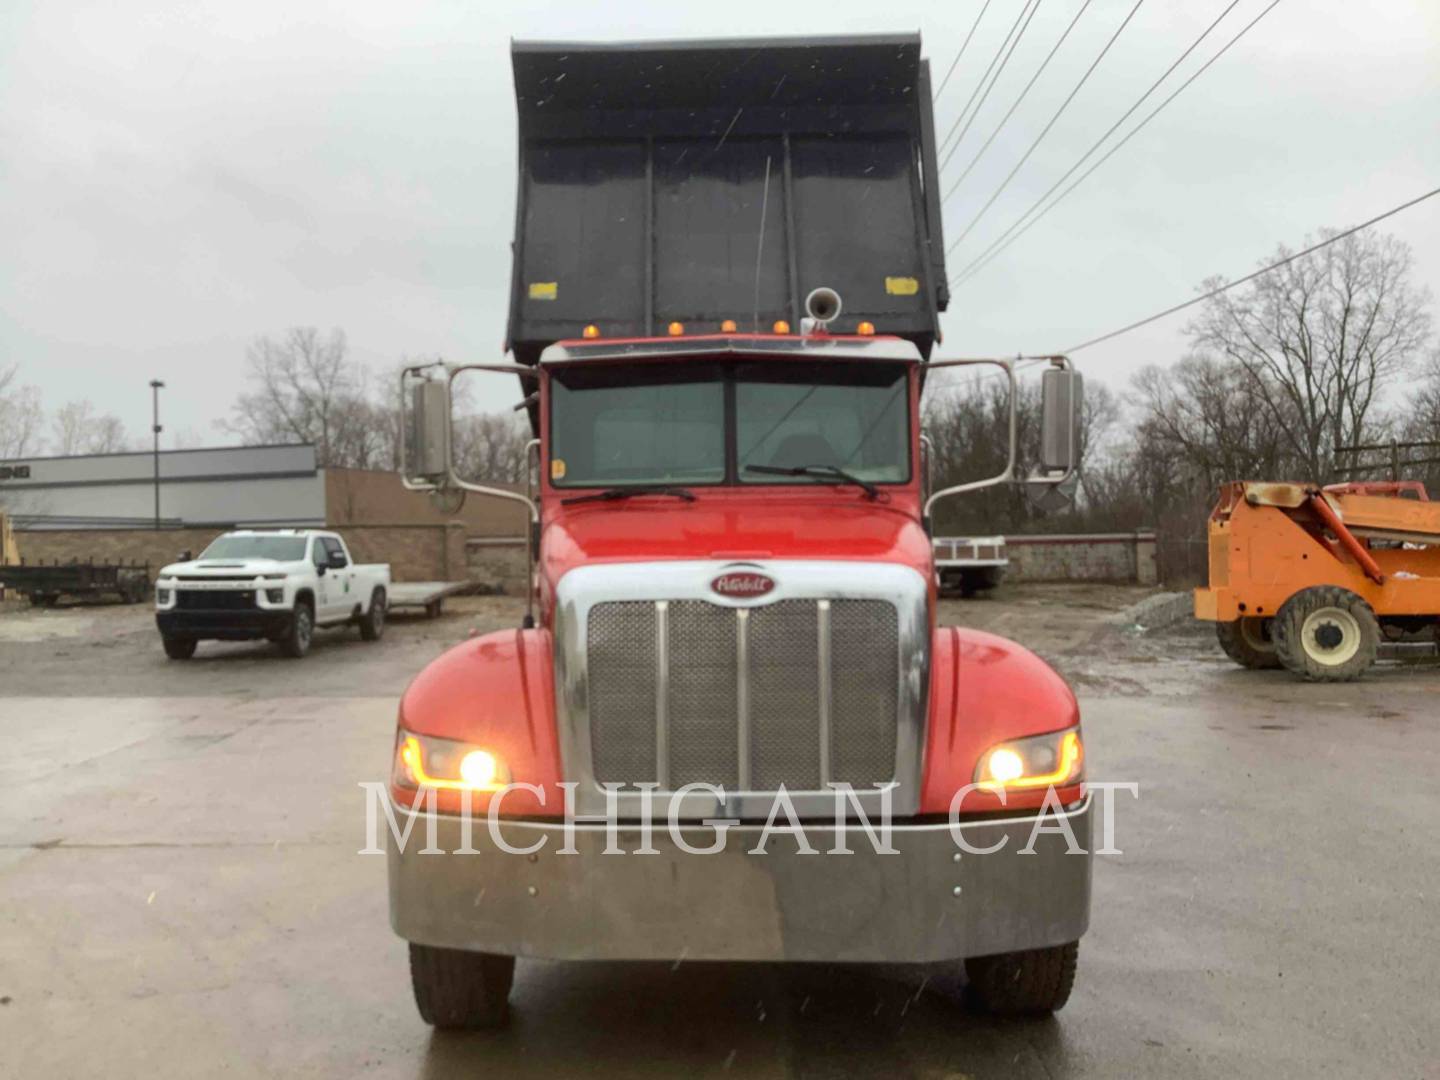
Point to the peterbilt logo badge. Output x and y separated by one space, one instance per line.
742 584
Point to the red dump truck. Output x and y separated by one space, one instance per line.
731 728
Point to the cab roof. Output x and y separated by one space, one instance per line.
786 346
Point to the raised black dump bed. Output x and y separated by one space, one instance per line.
705 181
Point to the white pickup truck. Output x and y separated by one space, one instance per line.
278 584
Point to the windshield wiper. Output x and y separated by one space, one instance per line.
611 494
831 473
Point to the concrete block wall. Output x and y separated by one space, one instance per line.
499 563
1127 557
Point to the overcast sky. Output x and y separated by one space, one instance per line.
173 184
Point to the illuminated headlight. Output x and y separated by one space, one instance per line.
425 761
1051 760
275 596
162 596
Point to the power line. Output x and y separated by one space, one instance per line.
1046 130
1011 112
965 45
1258 273
1027 10
1020 221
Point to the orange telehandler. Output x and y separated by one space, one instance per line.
1312 578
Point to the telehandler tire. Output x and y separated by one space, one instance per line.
1326 634
456 989
1248 642
1033 982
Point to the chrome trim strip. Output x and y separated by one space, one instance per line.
814 580
662 694
822 642
742 696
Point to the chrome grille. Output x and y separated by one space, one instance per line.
798 692
622 689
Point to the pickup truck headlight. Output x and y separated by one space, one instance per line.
425 761
1051 760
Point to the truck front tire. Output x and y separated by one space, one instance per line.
1248 642
1033 982
372 623
295 642
456 989
1326 634
178 648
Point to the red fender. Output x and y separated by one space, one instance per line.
497 692
984 690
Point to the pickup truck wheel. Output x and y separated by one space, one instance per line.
372 623
296 641
1248 642
1032 982
1326 634
459 989
178 648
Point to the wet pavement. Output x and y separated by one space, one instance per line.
180 893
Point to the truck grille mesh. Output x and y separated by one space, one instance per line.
815 700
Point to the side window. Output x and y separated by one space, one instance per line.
332 547
317 552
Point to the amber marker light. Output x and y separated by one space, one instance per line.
591 331
781 326
728 326
1051 760
676 329
865 329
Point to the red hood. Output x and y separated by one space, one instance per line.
821 526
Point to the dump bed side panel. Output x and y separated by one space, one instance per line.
704 181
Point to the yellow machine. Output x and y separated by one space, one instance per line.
1311 578
9 553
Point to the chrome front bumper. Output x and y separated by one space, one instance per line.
929 902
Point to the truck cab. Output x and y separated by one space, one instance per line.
731 726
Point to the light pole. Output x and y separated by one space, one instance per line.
155 387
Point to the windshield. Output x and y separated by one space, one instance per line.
701 424
280 548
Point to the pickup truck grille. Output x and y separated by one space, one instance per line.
797 693
215 599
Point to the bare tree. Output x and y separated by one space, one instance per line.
306 390
491 447
1319 337
21 418
77 430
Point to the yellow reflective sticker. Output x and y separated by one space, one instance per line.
557 468
897 286
543 290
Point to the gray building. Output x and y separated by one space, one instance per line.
240 485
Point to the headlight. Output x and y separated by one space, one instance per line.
425 761
1051 760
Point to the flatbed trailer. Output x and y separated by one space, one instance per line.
1313 579
429 595
45 583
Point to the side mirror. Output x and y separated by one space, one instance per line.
426 441
1062 395
336 561
187 556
